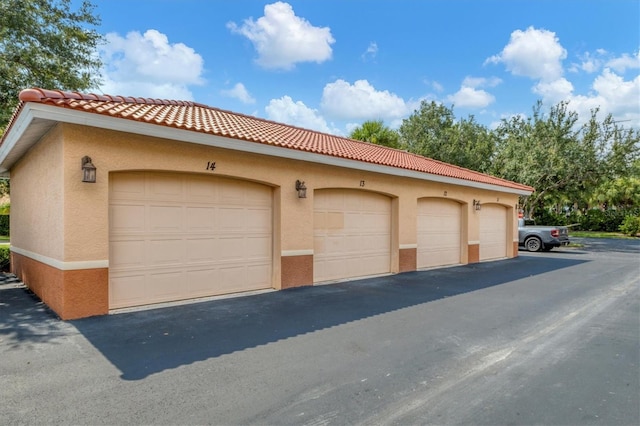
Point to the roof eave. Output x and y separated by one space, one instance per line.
18 141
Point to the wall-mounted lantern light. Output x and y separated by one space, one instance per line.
476 204
88 170
302 190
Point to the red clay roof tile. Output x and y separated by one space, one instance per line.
201 118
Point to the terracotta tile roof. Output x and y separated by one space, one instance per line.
201 118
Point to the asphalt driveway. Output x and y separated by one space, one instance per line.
315 355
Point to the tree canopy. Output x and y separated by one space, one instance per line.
432 131
45 43
572 165
376 132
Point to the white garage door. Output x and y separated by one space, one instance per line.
439 227
493 232
180 236
352 234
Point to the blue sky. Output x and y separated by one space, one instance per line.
330 65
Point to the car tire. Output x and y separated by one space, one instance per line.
533 244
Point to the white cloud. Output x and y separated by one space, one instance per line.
554 91
610 93
283 39
285 110
477 82
362 101
148 65
471 95
436 86
371 52
468 97
624 62
534 53
589 62
239 92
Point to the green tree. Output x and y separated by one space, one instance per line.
376 132
563 161
540 151
433 131
45 43
621 193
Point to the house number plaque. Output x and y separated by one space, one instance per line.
211 165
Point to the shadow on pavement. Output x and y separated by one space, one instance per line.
146 342
24 319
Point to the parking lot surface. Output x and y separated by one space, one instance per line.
547 338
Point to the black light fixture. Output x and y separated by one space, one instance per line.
302 190
88 170
476 204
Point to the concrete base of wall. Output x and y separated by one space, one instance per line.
515 249
71 294
473 253
408 260
297 271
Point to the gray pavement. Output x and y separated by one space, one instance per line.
547 338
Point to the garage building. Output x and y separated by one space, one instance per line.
119 202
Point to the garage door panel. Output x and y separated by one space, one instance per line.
352 234
201 250
258 220
200 219
127 218
231 249
199 281
233 193
493 231
165 219
200 190
165 252
231 219
127 290
439 233
197 236
164 187
256 247
127 254
127 187
256 275
165 286
232 277
256 196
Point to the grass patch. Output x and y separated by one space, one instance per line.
597 234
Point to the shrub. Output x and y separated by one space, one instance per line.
5 258
602 220
631 225
545 217
4 224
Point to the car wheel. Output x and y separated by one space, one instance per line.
533 244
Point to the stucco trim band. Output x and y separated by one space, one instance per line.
61 265
408 246
8 154
297 252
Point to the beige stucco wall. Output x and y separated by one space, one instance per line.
37 198
84 214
